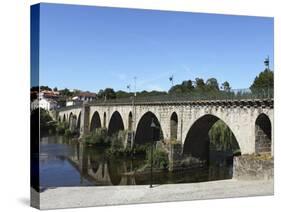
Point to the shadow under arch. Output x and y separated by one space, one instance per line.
144 133
64 118
104 119
262 134
115 123
130 121
197 141
95 122
79 121
70 117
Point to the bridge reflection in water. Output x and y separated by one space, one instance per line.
69 163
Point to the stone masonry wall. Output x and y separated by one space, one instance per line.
263 142
252 168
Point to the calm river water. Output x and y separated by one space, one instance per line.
67 163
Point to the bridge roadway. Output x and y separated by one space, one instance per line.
182 122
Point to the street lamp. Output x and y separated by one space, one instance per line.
171 78
153 127
135 84
266 63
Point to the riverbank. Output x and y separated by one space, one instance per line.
65 197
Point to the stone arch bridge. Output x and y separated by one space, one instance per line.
186 123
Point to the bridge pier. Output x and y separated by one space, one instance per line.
175 156
85 120
72 123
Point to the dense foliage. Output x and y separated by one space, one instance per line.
47 126
222 139
160 158
263 81
97 137
199 86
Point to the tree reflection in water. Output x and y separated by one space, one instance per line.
92 167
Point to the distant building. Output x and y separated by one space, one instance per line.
71 103
34 104
47 104
49 94
85 96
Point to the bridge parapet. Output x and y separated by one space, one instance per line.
235 97
223 103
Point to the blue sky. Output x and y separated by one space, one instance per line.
90 48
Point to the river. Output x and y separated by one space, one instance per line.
65 162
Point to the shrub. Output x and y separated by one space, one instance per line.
98 137
67 132
60 128
189 161
117 145
118 152
117 140
47 125
160 158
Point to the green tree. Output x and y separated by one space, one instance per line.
43 87
46 122
176 89
188 85
226 86
263 81
222 138
100 94
66 92
212 84
107 93
123 94
200 84
185 87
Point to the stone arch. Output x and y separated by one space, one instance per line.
115 124
130 121
173 126
64 118
263 134
104 119
95 122
144 132
197 141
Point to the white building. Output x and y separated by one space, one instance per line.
70 103
34 104
47 104
85 96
